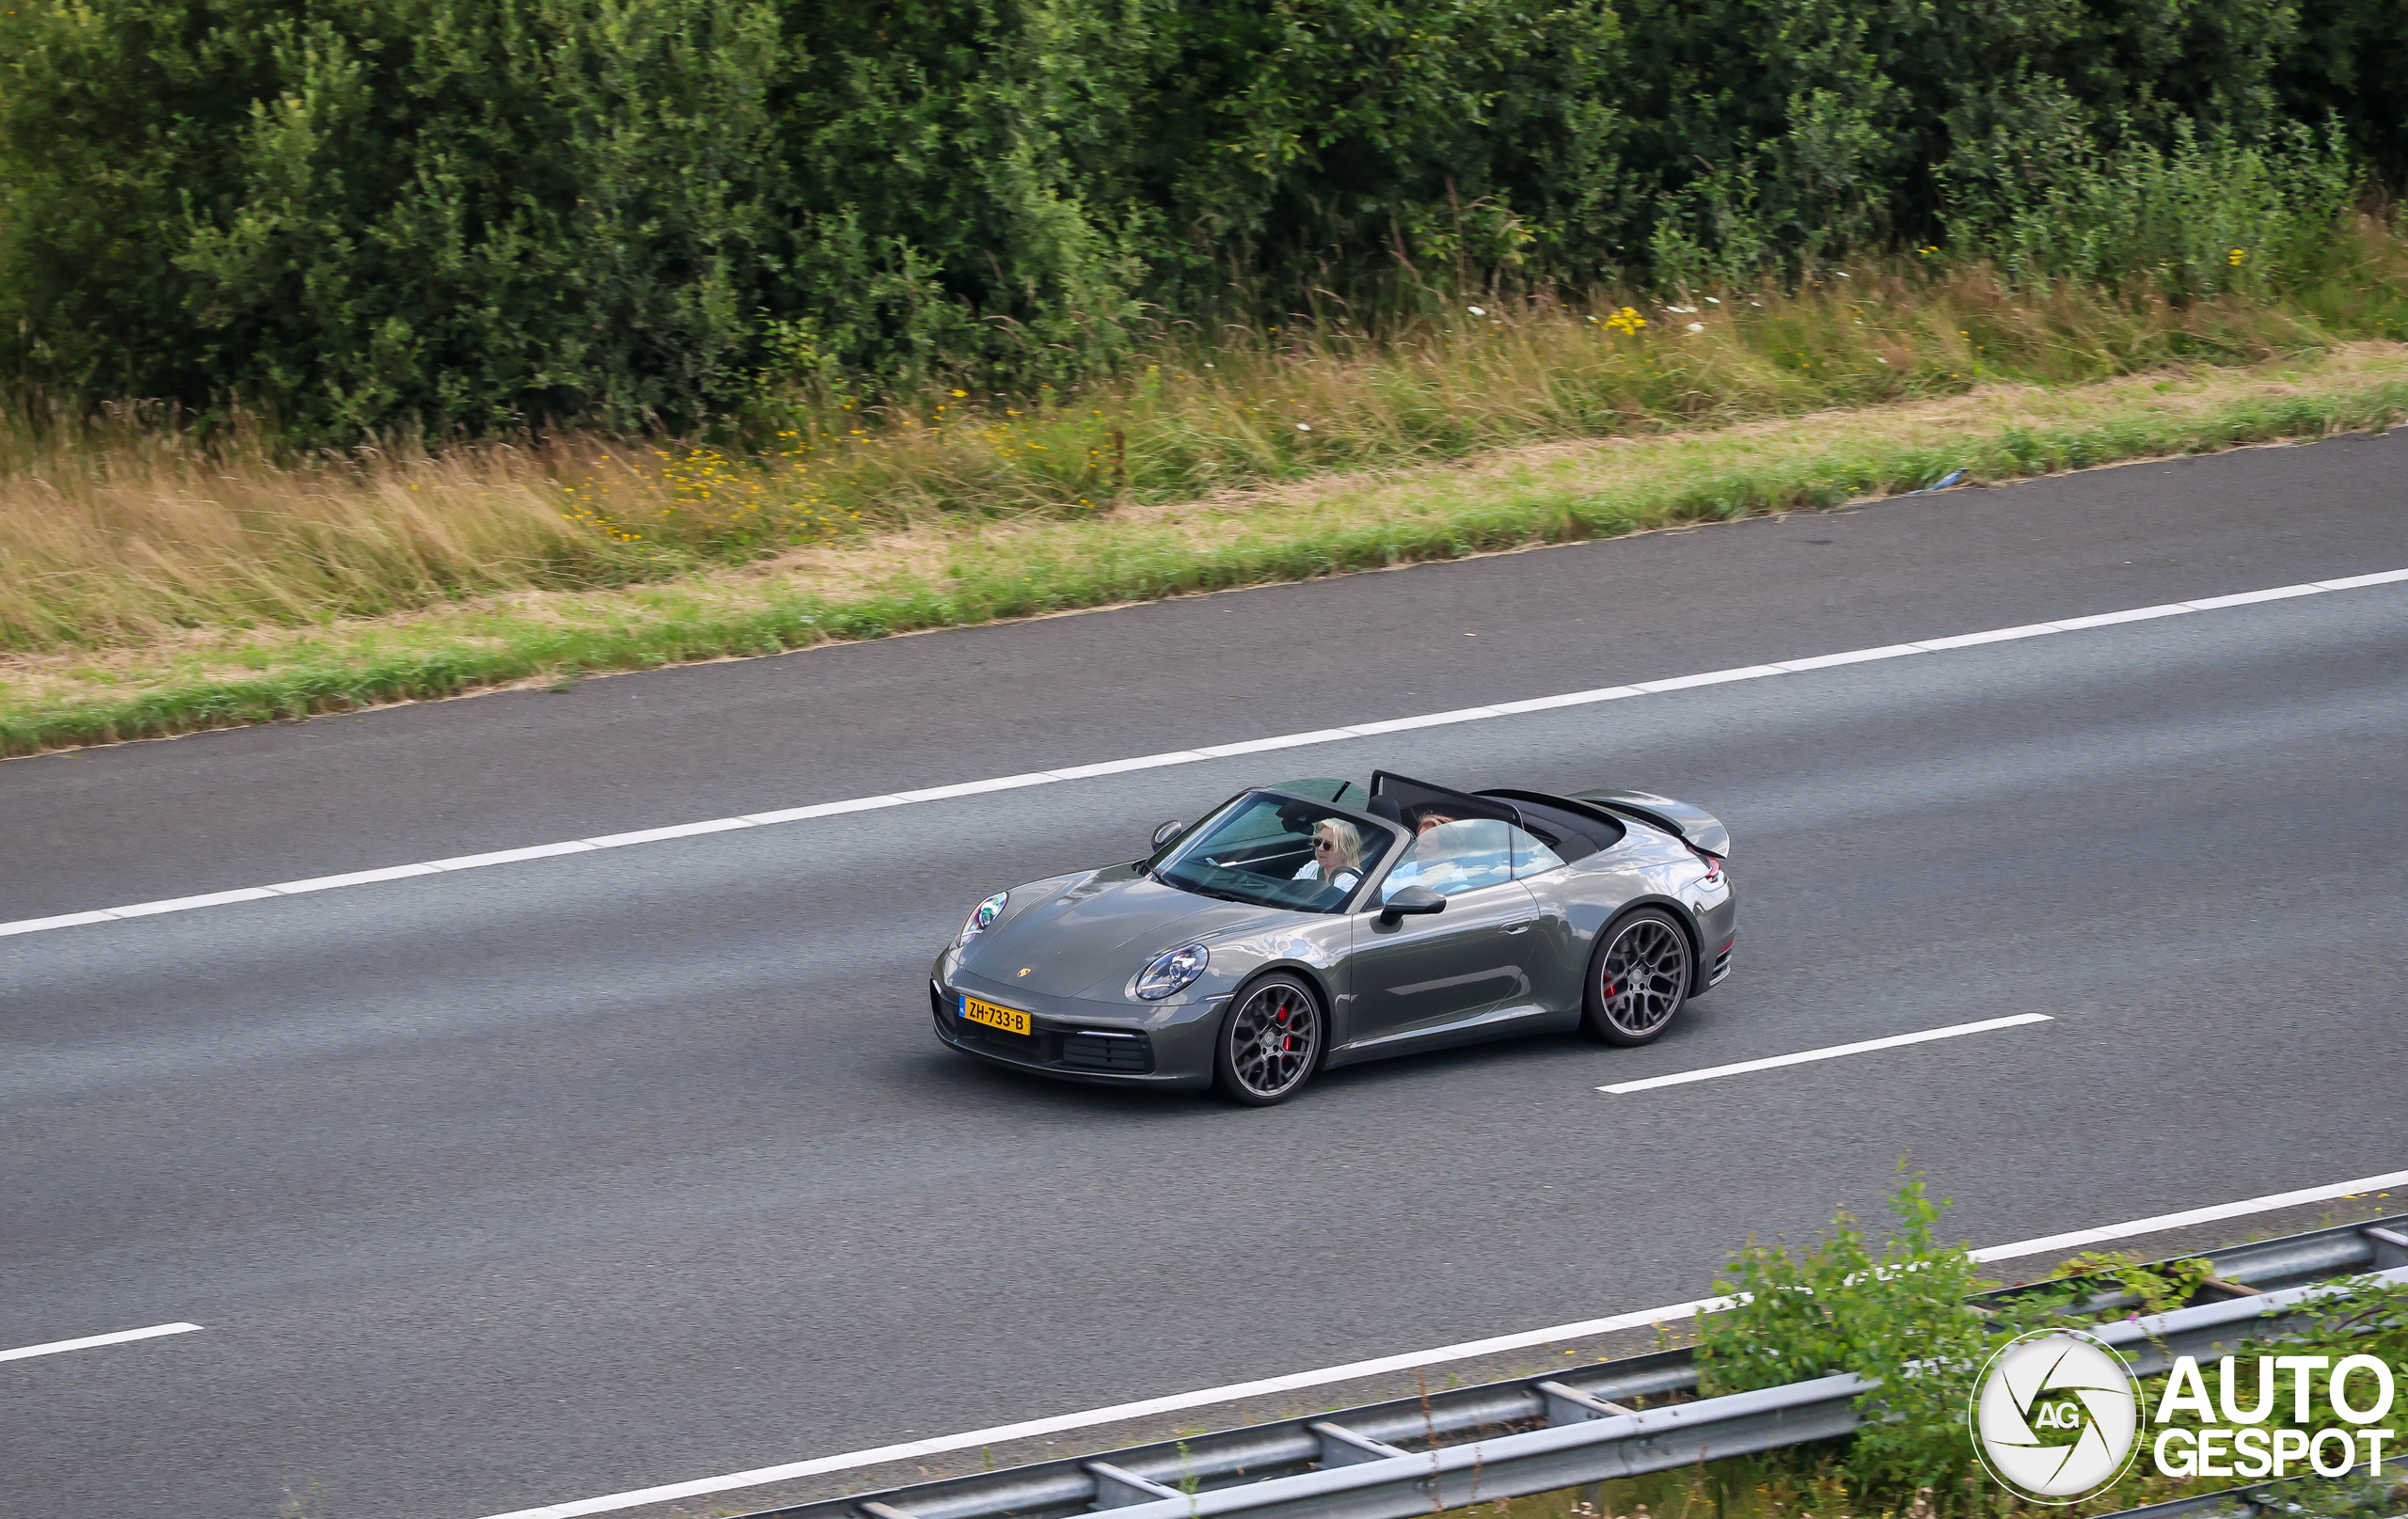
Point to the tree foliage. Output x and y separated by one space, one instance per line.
477 215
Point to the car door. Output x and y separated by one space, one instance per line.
1418 976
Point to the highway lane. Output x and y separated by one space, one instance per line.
146 821
575 1176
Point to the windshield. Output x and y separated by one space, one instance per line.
1270 850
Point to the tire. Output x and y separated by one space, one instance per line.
1640 977
1271 1041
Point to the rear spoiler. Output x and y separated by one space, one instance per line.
1695 826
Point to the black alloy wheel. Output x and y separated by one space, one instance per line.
1640 976
1271 1041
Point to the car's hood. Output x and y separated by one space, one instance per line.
1092 935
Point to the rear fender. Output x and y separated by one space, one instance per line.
1679 910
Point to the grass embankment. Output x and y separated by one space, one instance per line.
150 584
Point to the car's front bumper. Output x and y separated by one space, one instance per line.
1171 1049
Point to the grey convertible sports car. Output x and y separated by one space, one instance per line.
1316 924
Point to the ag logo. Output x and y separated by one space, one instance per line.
2056 1415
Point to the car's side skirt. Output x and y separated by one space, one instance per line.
1497 1022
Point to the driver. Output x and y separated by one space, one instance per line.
1451 855
1338 854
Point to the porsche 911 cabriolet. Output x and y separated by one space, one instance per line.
1319 922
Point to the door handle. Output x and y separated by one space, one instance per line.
1522 926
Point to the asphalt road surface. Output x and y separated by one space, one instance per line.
551 1179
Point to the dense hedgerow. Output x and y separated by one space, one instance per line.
480 214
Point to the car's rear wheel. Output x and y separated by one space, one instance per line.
1271 1041
1640 977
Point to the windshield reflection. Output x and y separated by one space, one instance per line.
1270 850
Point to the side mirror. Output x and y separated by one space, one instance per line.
1411 901
1168 831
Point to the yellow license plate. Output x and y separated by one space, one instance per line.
1010 1019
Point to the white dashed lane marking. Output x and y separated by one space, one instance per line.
90 1343
1741 1068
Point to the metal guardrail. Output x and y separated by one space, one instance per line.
1387 1460
2252 1502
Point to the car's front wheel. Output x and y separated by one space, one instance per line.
1271 1041
1640 977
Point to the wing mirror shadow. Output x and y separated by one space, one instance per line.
1168 831
1411 901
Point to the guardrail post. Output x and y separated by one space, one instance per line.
1570 1405
1342 1446
1117 1488
2390 1246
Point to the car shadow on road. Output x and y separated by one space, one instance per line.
1542 1053
1556 1062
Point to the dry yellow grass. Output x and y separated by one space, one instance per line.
1331 504
1281 528
127 531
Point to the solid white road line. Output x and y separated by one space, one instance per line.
878 1455
95 1341
1741 1068
1190 756
2220 1211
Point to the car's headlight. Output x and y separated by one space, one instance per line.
1173 971
981 918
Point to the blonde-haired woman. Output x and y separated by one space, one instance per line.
1337 855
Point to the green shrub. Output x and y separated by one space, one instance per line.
1896 1315
2195 219
471 215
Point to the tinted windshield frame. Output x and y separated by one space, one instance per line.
1379 841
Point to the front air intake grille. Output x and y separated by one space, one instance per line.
1107 1051
1018 1046
1130 1053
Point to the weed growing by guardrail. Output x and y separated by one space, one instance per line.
1806 1304
2370 1318
2161 1289
1897 1314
